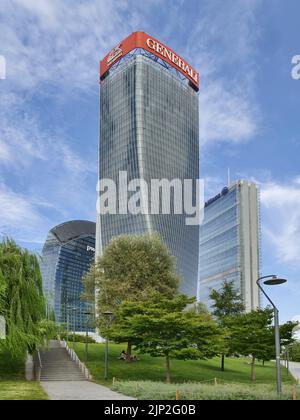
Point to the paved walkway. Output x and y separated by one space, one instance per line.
295 370
80 391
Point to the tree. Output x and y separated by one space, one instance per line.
251 334
161 327
295 352
287 333
22 301
286 339
131 268
228 304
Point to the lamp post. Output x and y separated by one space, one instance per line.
108 315
273 280
74 310
87 335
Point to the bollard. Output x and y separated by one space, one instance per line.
114 381
177 395
216 381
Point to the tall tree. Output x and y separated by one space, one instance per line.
162 327
131 268
251 334
228 304
22 301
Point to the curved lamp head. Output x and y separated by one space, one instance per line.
275 281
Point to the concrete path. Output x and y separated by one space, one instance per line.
80 391
295 370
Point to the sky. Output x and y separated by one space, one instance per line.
249 110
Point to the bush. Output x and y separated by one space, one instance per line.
196 391
78 338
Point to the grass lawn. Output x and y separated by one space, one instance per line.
153 369
12 380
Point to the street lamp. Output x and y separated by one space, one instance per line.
274 281
74 310
108 315
87 334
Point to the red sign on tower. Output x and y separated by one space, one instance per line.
148 43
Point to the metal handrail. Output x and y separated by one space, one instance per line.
76 359
37 361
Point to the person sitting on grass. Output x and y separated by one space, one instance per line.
123 355
133 358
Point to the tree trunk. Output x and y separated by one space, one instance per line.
263 363
253 372
223 362
168 370
129 350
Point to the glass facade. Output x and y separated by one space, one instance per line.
150 128
67 255
229 235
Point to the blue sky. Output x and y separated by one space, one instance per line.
249 109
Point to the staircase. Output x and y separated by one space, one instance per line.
58 366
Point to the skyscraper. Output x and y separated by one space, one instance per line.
66 257
230 243
150 128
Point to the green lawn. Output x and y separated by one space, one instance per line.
12 380
152 369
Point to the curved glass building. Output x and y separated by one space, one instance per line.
150 129
66 257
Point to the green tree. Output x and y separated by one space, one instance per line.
227 304
295 352
161 327
22 301
287 333
251 334
131 268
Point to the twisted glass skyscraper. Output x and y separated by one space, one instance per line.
150 128
67 255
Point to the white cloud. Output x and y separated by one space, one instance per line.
20 216
23 140
281 206
225 115
60 43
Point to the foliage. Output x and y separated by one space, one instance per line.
251 334
228 304
147 390
12 380
78 338
161 327
287 333
295 352
131 268
22 302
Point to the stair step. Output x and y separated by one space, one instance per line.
57 365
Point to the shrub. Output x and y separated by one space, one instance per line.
196 391
78 338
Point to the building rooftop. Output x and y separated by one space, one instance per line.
74 229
